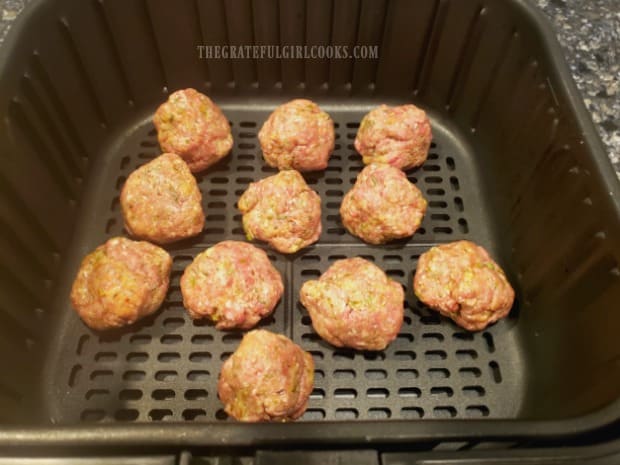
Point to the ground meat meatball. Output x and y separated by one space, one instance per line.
297 135
354 304
462 282
399 136
283 211
120 282
161 201
232 283
192 126
383 205
268 378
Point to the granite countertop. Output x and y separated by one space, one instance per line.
589 32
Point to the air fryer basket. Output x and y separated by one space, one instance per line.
515 165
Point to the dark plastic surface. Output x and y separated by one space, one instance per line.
336 457
600 454
516 166
77 460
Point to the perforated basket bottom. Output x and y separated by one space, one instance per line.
166 367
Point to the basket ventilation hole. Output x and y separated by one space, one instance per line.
497 375
346 414
134 375
159 414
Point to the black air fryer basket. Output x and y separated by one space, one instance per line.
515 166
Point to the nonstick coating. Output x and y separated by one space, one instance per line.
166 367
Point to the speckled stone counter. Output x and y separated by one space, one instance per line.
589 32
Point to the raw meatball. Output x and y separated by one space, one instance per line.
120 282
283 211
297 135
462 282
399 136
161 201
354 304
268 378
383 205
232 283
192 126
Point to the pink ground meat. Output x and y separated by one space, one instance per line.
268 378
282 211
297 135
462 282
120 282
192 126
382 205
232 283
399 136
354 304
161 201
